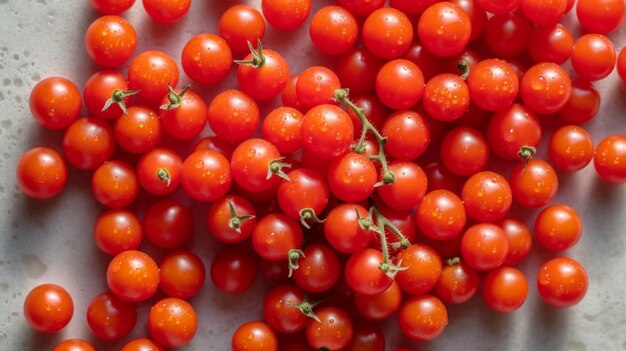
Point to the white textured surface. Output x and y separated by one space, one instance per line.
50 241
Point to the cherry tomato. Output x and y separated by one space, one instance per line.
379 306
464 151
511 129
446 97
206 175
183 114
444 29
458 283
282 127
158 171
477 16
111 7
519 238
167 224
493 84
387 33
441 215
484 246
41 173
254 336
361 8
48 308
233 115
352 177
315 86
366 337
342 230
88 143
152 72
505 289
621 65
172 322
408 189
166 11
256 165
551 43
407 133
111 318
332 332
182 274
558 227
240 25
582 105
281 309
562 282
600 16
357 69
73 345
133 276
610 159
289 96
306 191
327 131
423 317
206 58
117 230
233 271
275 235
593 57
318 270
141 344
499 7
440 178
286 15
110 41
508 35
411 6
363 273
106 94
429 64
487 196
373 110
139 130
263 75
545 88
55 102
570 148
533 184
231 227
424 269
544 12
399 84
114 184
333 30
215 144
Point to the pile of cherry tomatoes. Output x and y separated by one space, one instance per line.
373 191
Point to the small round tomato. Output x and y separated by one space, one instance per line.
424 269
342 229
141 344
373 110
183 114
48 308
477 16
357 69
333 30
533 183
508 35
361 8
441 215
256 165
444 29
544 12
41 173
545 88
182 274
114 184
593 57
139 130
366 337
254 336
206 58
446 97
166 11
493 84
158 171
387 33
610 159
505 289
464 151
570 148
231 219
399 84
117 230
304 196
327 131
551 43
582 105
407 133
487 196
88 143
440 178
429 63
172 322
106 94
458 283
408 189
316 86
240 25
233 271
319 269
215 144
55 102
111 318
363 272
352 177
206 175
519 238
621 65
333 331
263 74
233 115
423 317
286 15
275 235
600 16
283 127
152 72
73 345
133 276
562 282
484 246
111 7
282 309
558 227
379 306
289 95
411 6
511 129
167 224
110 41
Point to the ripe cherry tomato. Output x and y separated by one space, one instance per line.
407 133
233 115
511 129
74 345
182 274
114 184
399 84
55 102
499 7
582 105
441 215
387 33
342 229
408 189
318 270
429 63
519 238
477 16
508 35
373 110
48 308
183 114
610 159
110 41
484 246
106 94
464 151
493 84
88 143
593 57
333 30
263 74
600 16
240 25
440 178
621 65
487 196
233 271
111 7
111 318
254 336
41 173
444 29
352 177
424 269
327 131
166 11
206 175
139 130
558 227
534 184
133 276
172 322
361 8
167 224
289 96
275 235
446 97
231 227
570 148
423 317
458 283
411 6
363 273
357 69
551 43
256 165
282 127
562 282
117 230
306 190
544 12
158 171
505 289
332 332
379 306
545 88
141 344
281 309
315 86
206 58
215 144
286 14
152 72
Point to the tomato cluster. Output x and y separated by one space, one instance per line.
381 186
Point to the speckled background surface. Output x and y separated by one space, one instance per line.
50 241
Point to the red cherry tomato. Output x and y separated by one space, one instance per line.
265 78
74 345
182 274
508 35
387 33
444 29
231 227
206 175
593 57
582 105
446 97
166 11
183 114
519 238
233 115
342 230
600 16
408 189
408 135
206 58
429 63
141 344
484 246
282 127
281 309
306 191
562 282
551 43
152 72
357 69
570 148
379 306
399 84
254 336
111 318
610 159
621 65
544 12
111 7
233 271
318 270
558 227
477 16
55 102
440 178
133 276
110 41
361 8
545 88
464 151
41 173
106 94
275 235
286 15
511 129
487 196
252 161
363 273
172 322
423 317
117 230
352 177
240 25
534 184
48 308
138 131
167 224
327 131
158 171
441 215
498 7
315 86
114 184
505 289
424 269
88 143
215 144
493 84
458 283
332 332
333 30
